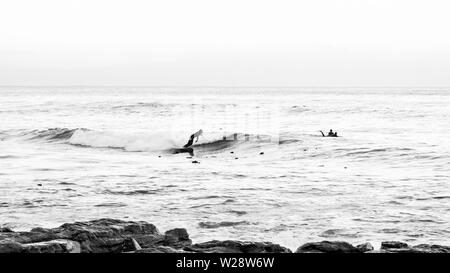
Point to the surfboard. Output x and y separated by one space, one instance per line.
182 150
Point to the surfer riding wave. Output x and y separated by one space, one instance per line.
191 138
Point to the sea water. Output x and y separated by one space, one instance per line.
264 171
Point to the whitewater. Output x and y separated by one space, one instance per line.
261 170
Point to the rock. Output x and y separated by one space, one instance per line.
261 153
177 237
327 247
54 246
365 247
158 249
111 235
130 245
103 235
397 247
5 229
10 246
195 161
229 246
404 248
28 237
425 248
40 185
376 251
393 245
108 235
39 229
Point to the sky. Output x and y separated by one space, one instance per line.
225 43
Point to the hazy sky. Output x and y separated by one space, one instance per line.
228 42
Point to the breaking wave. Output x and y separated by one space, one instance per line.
130 142
144 142
52 133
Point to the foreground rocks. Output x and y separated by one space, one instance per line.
117 236
331 247
400 247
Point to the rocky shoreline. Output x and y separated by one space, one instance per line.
117 236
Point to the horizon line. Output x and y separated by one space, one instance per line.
224 86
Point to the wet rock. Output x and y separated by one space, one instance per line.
393 245
261 153
398 247
129 245
177 238
327 247
110 235
5 229
195 162
28 237
426 248
365 247
54 246
376 251
159 249
237 247
10 246
103 235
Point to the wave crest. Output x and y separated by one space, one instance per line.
144 142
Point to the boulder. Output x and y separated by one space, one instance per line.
425 248
5 229
103 235
110 235
365 247
106 235
28 237
229 246
10 246
54 246
177 238
393 245
327 247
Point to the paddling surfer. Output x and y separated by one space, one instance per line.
330 134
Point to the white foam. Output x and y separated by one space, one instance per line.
155 141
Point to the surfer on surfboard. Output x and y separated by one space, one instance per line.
330 134
191 139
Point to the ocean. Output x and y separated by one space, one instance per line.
261 171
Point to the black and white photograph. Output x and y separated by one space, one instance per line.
249 130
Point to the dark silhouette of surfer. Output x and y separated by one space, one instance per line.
191 138
330 134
